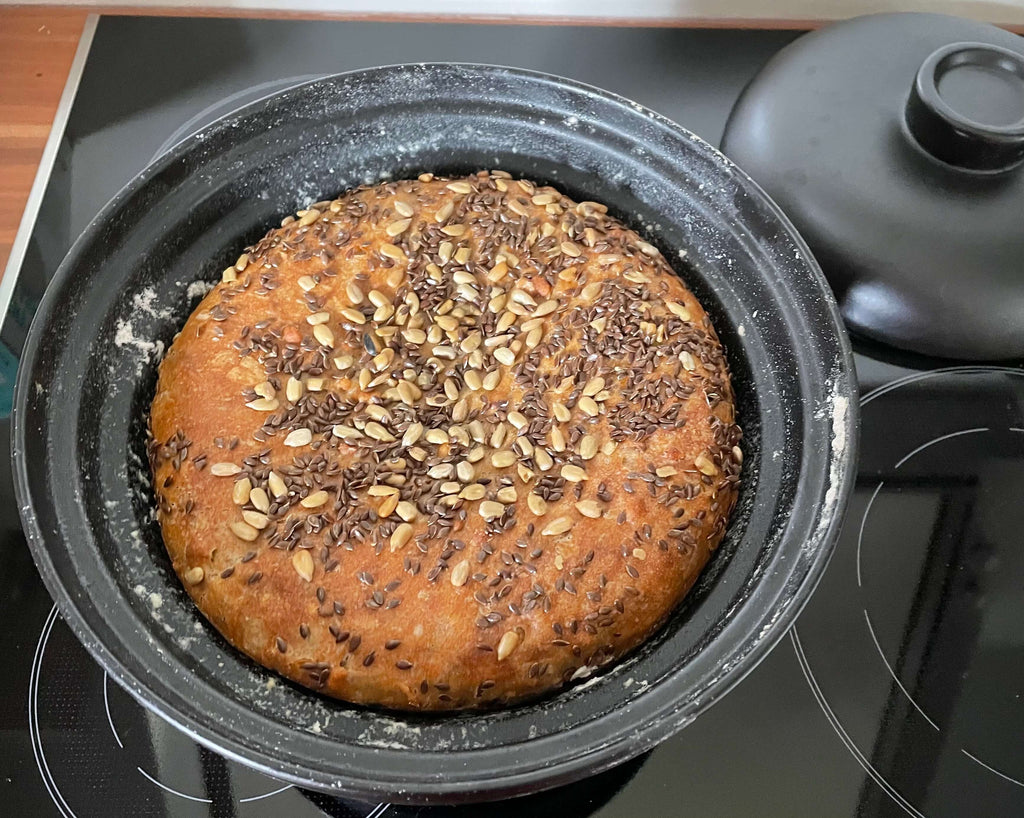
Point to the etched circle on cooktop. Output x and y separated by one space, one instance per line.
95 745
941 559
97 748
914 642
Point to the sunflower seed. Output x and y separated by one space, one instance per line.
589 508
460 573
574 474
507 644
388 505
302 562
355 295
678 310
475 491
491 510
277 485
542 459
444 211
308 217
264 404
378 432
441 471
593 386
315 499
588 447
436 436
412 434
353 315
345 432
244 531
258 497
589 406
401 536
705 466
256 519
407 511
299 437
557 439
324 335
503 459
557 526
392 252
497 272
396 228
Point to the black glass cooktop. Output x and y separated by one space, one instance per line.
897 692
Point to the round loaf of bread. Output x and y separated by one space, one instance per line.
444 443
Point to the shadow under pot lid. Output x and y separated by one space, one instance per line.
895 142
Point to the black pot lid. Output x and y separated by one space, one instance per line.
895 142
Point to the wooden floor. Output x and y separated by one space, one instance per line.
37 46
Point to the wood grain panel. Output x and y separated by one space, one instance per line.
37 46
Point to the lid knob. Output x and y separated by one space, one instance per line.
966 106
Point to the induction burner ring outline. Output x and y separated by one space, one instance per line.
152 778
33 719
39 752
106 707
888 667
844 737
860 584
867 616
164 787
794 635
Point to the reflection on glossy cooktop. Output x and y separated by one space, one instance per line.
913 643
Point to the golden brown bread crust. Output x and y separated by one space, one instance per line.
274 529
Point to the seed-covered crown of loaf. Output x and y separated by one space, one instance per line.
444 443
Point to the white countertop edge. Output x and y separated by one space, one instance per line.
673 12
